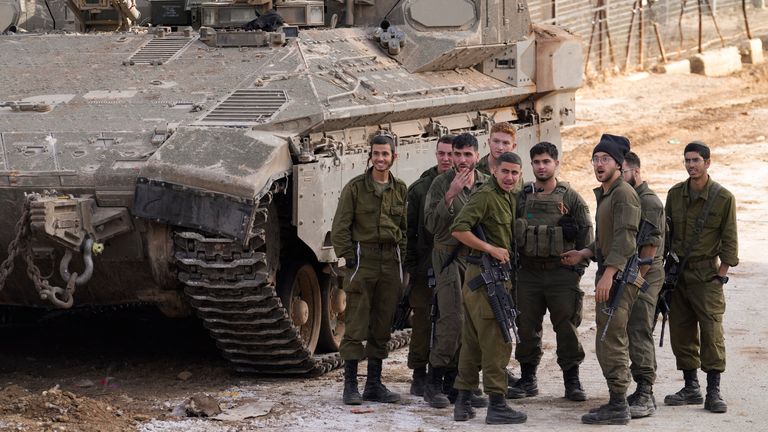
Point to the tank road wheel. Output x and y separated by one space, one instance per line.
334 304
299 292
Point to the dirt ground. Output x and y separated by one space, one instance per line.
127 369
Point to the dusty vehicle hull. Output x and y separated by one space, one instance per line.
207 165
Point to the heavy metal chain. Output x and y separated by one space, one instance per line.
59 297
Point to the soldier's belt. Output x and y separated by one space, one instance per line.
702 263
377 247
539 264
448 248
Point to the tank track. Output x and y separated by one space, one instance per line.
231 288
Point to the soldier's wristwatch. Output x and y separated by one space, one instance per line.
723 279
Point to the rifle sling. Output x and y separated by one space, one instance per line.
714 191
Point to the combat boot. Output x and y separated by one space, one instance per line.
419 381
527 385
462 410
615 412
448 379
433 391
351 395
374 390
641 402
477 400
500 413
714 402
511 378
573 389
690 394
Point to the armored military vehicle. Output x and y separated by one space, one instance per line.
197 168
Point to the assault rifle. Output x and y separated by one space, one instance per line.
403 311
671 274
630 275
493 276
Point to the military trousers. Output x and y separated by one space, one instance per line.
642 349
613 351
448 327
555 289
373 290
696 321
419 299
482 346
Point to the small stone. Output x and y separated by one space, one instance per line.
760 138
141 417
84 383
185 375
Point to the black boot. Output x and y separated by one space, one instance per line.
351 395
500 413
527 385
641 402
419 381
462 410
615 412
477 400
511 378
573 389
448 379
714 402
688 395
374 389
433 391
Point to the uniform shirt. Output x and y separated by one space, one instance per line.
364 215
718 238
652 210
437 216
616 221
492 208
418 255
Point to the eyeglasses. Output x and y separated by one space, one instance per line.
601 160
694 161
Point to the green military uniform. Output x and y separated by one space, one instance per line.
449 276
642 353
543 283
417 262
369 227
483 347
698 304
616 222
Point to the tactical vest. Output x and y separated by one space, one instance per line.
539 234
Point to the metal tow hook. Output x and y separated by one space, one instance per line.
74 278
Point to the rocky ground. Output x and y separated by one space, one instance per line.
119 370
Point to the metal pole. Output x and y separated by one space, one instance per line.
700 29
591 37
746 20
680 26
629 36
641 42
661 44
714 20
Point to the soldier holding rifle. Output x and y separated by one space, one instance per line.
492 208
616 224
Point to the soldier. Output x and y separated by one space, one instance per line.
492 206
369 233
446 197
642 353
698 304
616 223
553 219
501 140
418 262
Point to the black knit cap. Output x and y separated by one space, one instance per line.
616 146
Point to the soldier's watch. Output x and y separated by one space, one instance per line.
723 279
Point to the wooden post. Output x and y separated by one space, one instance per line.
680 26
641 41
629 36
700 29
714 20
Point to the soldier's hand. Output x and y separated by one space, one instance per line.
501 254
350 263
571 258
603 288
457 184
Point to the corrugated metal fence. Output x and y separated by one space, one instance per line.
612 29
